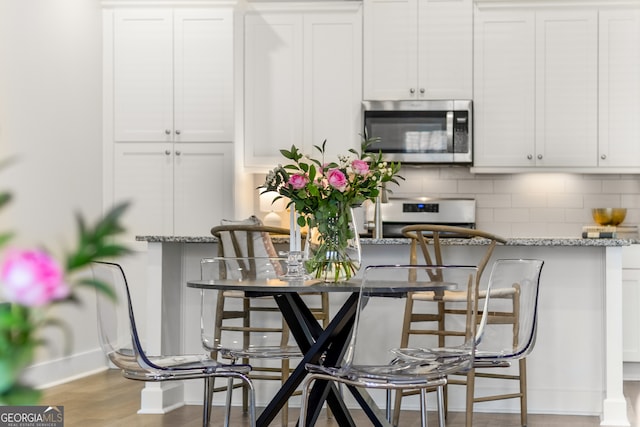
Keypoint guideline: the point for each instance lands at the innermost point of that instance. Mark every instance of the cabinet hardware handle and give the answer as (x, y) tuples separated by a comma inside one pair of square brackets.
[(603, 157), (529, 156), (539, 156), (421, 90), (178, 152), (167, 152), (167, 131), (412, 90), (178, 132)]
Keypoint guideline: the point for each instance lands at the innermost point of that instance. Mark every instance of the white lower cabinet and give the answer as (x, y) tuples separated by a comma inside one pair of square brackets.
[(631, 303), (176, 189)]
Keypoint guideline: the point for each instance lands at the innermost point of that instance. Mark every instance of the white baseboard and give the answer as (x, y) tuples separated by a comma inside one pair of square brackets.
[(58, 371)]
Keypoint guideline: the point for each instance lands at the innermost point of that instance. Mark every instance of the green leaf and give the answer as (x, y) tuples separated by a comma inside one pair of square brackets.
[(5, 198), (5, 237), (20, 395)]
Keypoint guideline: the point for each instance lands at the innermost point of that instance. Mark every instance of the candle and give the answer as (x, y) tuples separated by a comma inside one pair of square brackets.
[(292, 229), (295, 243), (298, 242)]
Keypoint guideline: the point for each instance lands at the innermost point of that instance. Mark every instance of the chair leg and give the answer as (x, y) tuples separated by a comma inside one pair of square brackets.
[(227, 413), (207, 401), (440, 397), (523, 391), (388, 407), (471, 382), (397, 406), (284, 412), (251, 394), (423, 407), (304, 400)]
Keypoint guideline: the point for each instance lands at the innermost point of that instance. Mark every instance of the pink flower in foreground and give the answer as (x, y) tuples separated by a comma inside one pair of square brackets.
[(32, 278), (337, 179), (360, 167), (298, 181)]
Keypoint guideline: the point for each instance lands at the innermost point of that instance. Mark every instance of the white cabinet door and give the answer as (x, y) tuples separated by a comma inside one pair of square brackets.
[(445, 49), (390, 49), (631, 315), (143, 175), (332, 82), (203, 64), (302, 83), (536, 88), (202, 187), (173, 75), (619, 88), (504, 98), (631, 303), (175, 189), (418, 49), (273, 86), (143, 78), (567, 88)]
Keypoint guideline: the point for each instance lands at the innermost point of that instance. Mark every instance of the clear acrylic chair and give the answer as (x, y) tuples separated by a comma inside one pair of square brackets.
[(266, 343), (249, 238), (503, 340), (423, 315), (372, 365), (122, 345)]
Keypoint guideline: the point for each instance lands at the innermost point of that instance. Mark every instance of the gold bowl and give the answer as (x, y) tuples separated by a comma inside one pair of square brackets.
[(608, 216)]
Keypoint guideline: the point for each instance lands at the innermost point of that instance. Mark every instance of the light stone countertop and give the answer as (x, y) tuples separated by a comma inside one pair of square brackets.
[(518, 241)]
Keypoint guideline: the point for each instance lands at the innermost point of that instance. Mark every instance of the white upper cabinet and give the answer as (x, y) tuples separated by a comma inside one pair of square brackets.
[(504, 107), (172, 75), (418, 49), (567, 88), (536, 88), (302, 82), (619, 78)]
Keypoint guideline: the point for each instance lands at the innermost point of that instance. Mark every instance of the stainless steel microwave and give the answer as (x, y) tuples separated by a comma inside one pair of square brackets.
[(414, 132)]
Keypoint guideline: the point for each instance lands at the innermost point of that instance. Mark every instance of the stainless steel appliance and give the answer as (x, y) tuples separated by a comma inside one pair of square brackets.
[(417, 132), (398, 213)]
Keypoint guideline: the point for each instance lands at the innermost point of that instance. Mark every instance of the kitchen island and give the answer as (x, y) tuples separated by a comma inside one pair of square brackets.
[(575, 368)]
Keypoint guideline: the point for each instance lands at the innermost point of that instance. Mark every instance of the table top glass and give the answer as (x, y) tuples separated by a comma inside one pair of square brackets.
[(303, 286)]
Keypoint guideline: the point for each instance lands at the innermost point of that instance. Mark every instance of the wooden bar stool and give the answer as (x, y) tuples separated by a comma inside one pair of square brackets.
[(424, 316)]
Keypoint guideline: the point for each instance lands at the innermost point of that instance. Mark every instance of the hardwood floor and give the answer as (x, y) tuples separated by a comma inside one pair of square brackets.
[(107, 399)]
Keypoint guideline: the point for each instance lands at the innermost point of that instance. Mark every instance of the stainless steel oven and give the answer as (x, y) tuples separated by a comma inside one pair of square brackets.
[(415, 132), (397, 213)]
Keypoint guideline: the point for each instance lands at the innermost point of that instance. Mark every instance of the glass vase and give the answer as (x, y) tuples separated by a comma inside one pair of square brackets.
[(332, 250)]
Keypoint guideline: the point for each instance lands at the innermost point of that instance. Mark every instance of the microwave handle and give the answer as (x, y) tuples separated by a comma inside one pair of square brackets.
[(450, 131)]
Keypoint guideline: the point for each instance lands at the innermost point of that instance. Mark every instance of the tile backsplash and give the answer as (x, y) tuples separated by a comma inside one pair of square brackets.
[(526, 204)]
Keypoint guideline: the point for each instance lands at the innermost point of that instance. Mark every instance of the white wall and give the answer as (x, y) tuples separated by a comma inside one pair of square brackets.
[(50, 121)]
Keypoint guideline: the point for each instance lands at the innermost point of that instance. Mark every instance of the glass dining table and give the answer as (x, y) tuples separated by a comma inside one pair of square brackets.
[(317, 344)]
